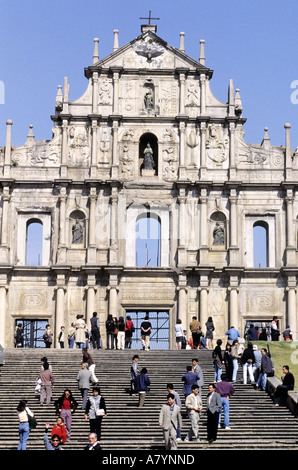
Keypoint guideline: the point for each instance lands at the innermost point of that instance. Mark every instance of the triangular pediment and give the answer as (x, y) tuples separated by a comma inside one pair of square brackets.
[(148, 51)]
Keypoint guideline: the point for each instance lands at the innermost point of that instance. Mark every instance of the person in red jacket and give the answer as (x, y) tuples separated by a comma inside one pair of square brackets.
[(59, 429)]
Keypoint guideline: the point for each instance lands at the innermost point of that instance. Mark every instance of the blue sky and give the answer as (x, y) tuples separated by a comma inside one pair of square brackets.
[(254, 43)]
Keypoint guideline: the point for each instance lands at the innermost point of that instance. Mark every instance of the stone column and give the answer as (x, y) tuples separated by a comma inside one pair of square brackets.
[(3, 290), (93, 166), (203, 316), (182, 92), (92, 222), (233, 249), (291, 305), (61, 256), (203, 130), (203, 217), (233, 302), (64, 146), (92, 226), (182, 225), (203, 93), (233, 307), (182, 127), (62, 217), (7, 155), (290, 248), (59, 320), (91, 291), (204, 248), (182, 300), (95, 93), (232, 146), (5, 208), (115, 156), (116, 92), (113, 252), (288, 161), (113, 295)]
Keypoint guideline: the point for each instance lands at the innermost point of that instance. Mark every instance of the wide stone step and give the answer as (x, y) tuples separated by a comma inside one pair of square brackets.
[(255, 422)]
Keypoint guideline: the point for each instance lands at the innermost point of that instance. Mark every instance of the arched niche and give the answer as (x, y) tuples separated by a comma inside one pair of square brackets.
[(77, 232), (218, 230), (148, 154)]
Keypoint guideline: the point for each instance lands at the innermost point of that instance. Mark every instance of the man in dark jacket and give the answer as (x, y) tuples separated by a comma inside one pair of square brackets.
[(142, 383), (288, 383), (266, 368), (93, 442), (95, 334), (189, 379), (252, 333)]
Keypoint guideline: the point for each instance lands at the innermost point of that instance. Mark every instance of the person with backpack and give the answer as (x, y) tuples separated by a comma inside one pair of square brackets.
[(218, 361), (129, 330)]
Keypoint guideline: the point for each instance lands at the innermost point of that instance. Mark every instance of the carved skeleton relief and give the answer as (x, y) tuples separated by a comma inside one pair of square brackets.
[(105, 92)]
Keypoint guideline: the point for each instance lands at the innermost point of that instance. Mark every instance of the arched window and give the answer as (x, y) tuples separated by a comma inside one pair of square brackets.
[(34, 242), (148, 238), (148, 153), (260, 244)]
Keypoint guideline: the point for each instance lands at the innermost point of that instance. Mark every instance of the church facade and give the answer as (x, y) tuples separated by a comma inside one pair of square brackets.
[(148, 198)]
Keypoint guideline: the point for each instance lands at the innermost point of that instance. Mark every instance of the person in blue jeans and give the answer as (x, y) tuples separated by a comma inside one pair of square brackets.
[(235, 358), (24, 430), (226, 390), (266, 368), (218, 361)]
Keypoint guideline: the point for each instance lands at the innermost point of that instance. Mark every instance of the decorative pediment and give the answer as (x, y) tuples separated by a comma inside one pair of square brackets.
[(147, 51)]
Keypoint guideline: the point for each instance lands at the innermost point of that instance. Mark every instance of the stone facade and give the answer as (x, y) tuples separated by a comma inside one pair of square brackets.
[(148, 138)]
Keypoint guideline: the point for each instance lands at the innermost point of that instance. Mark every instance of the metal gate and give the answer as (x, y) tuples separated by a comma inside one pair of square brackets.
[(33, 332), (159, 338)]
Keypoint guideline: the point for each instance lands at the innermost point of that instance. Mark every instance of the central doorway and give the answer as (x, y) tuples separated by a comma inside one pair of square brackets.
[(33, 332), (159, 338)]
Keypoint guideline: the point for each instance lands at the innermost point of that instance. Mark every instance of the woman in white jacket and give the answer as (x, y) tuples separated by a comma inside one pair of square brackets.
[(24, 430), (179, 334)]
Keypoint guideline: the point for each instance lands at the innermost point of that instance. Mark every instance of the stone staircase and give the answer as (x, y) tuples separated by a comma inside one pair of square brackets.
[(256, 424)]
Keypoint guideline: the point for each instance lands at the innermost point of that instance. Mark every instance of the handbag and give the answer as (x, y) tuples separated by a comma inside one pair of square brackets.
[(98, 411), (32, 422)]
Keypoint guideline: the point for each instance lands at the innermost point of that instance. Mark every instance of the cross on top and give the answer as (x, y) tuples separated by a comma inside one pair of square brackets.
[(148, 18)]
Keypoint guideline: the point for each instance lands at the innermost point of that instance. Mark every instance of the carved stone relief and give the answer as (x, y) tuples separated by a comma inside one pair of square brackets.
[(79, 146), (105, 145), (217, 145), (149, 53), (253, 155), (192, 94), (32, 300), (105, 93), (262, 301), (126, 163), (170, 158)]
